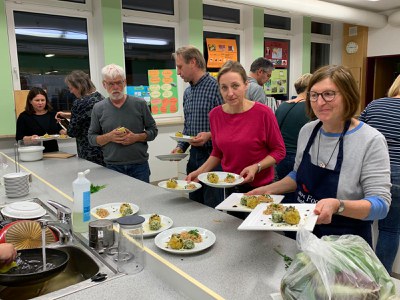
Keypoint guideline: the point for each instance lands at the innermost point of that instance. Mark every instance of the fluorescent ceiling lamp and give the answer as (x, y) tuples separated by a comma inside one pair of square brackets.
[(144, 41), (49, 55), (52, 33)]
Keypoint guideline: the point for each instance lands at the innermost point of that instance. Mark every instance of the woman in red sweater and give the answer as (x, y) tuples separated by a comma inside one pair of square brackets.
[(245, 134)]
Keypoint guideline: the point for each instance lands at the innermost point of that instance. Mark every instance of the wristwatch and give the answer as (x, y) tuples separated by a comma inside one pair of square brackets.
[(341, 207)]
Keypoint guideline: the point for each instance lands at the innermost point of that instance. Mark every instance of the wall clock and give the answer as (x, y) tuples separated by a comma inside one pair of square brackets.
[(351, 47)]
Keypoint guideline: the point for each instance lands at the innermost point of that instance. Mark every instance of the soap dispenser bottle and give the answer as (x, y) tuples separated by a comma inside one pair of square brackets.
[(81, 207)]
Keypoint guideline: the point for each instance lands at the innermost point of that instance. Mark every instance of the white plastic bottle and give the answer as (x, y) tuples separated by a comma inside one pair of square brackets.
[(81, 207)]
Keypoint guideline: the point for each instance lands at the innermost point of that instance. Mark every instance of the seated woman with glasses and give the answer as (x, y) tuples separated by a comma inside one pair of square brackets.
[(342, 164)]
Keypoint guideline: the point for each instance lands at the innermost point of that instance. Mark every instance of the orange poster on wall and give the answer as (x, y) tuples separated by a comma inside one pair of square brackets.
[(220, 51)]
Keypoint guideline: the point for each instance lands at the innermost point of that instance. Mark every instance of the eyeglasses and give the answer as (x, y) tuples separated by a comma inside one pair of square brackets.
[(328, 96), (112, 83), (269, 74)]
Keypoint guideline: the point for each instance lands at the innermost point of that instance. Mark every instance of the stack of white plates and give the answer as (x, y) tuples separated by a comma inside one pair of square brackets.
[(16, 184)]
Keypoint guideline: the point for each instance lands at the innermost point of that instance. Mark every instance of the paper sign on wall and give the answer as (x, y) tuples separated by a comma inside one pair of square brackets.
[(220, 51), (163, 91), (277, 83)]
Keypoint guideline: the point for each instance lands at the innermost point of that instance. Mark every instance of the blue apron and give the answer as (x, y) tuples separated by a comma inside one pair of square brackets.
[(315, 183)]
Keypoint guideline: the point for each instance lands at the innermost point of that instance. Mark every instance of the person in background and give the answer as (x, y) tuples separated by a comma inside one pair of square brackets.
[(383, 114), (342, 164), (236, 144), (122, 125), (8, 254), (291, 116), (38, 119), (260, 72), (198, 100), (80, 84)]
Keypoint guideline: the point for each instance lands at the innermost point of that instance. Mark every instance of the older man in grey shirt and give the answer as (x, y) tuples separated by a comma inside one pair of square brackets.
[(122, 125)]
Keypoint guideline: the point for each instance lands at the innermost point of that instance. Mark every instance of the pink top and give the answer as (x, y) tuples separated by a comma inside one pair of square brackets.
[(243, 139)]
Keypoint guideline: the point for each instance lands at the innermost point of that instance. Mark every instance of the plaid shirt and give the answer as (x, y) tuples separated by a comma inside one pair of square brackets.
[(198, 100)]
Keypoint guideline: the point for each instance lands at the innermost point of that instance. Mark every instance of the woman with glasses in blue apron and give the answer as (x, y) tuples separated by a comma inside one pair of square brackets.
[(342, 164)]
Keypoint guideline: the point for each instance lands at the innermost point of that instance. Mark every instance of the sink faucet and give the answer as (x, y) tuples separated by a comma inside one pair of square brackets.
[(63, 225)]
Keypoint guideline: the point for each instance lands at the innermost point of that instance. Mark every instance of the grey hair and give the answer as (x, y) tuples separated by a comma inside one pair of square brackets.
[(261, 63), (113, 71)]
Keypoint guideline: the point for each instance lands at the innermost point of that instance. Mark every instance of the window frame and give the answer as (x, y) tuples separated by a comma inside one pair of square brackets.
[(323, 38), (75, 9), (217, 25), (161, 20)]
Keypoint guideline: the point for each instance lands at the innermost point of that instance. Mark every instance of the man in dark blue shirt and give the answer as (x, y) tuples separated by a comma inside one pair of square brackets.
[(198, 100)]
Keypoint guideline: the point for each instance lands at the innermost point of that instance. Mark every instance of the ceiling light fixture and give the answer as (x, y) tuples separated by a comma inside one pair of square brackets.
[(52, 33), (49, 55), (144, 41)]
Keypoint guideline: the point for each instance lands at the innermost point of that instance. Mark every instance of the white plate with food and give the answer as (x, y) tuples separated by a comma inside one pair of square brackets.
[(244, 203), (63, 137), (172, 156), (181, 137), (261, 219), (47, 137), (152, 223), (197, 237), (220, 179), (179, 185), (114, 210)]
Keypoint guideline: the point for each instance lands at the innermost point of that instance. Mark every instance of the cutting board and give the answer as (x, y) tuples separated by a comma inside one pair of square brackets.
[(58, 155)]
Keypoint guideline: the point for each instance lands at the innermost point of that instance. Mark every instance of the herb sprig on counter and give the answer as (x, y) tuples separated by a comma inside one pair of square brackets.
[(288, 260), (96, 188)]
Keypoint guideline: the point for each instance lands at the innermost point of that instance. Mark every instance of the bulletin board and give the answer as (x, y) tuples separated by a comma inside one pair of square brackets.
[(278, 52), (220, 51)]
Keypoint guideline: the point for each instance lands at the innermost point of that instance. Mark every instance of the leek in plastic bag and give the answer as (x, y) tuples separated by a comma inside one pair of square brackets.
[(335, 267)]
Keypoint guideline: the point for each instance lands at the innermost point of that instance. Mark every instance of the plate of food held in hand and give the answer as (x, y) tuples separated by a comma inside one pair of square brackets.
[(280, 217), (63, 137), (185, 240), (47, 137), (220, 179), (180, 137), (246, 203), (115, 210), (172, 156), (155, 223), (175, 185)]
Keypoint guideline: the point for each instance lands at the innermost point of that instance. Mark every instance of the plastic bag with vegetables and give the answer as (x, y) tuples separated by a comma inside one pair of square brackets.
[(335, 267)]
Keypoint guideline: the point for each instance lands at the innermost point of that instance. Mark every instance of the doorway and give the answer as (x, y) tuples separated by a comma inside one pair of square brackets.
[(381, 72)]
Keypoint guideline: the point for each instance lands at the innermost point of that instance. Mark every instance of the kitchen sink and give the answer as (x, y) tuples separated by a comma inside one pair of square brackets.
[(83, 264)]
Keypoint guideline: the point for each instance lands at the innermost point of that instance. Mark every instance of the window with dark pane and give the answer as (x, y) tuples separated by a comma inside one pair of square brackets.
[(221, 14), (147, 47), (154, 6), (49, 47), (277, 22), (320, 54), (320, 28)]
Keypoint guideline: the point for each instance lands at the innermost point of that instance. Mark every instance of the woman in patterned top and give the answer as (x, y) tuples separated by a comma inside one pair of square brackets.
[(82, 87)]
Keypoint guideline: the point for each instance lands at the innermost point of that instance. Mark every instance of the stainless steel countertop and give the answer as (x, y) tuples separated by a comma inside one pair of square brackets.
[(240, 265)]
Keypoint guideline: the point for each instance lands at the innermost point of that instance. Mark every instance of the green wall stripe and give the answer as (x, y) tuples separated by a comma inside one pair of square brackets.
[(258, 33), (196, 24), (112, 32), (7, 106)]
